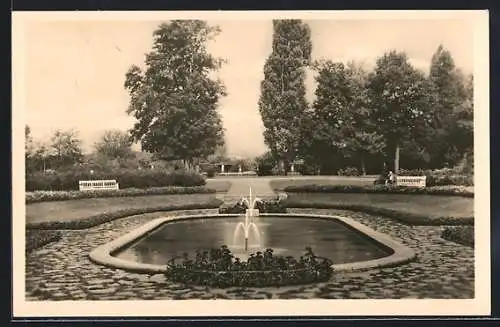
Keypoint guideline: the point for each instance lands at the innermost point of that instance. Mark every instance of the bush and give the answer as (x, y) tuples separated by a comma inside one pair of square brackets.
[(265, 164), (461, 234), (41, 196), (211, 171), (274, 206), (110, 216), (313, 188), (68, 180), (348, 171), (438, 177), (219, 268), (37, 238)]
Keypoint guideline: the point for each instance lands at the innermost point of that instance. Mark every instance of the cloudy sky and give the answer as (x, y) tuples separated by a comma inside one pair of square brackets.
[(75, 69)]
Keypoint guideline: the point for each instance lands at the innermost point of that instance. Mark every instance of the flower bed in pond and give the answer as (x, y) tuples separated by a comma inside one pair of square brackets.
[(219, 268)]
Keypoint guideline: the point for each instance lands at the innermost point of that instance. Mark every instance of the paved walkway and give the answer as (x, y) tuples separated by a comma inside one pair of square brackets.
[(240, 187), (62, 270)]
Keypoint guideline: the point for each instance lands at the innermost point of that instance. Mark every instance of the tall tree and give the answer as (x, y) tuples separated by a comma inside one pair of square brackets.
[(174, 99), (449, 91), (114, 143), (282, 102), (29, 149), (340, 125), (400, 98), (462, 131), (365, 140), (329, 125), (66, 148)]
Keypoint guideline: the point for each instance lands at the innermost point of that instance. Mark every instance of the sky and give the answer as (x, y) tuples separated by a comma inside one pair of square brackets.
[(74, 70)]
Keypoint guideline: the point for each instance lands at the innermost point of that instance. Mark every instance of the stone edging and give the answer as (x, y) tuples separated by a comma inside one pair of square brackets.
[(103, 254)]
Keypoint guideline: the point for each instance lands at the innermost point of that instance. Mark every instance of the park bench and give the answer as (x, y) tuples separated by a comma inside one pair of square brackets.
[(411, 181), (98, 185)]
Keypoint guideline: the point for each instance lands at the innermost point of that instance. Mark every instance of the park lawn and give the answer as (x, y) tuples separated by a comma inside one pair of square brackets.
[(218, 185), (430, 205), (83, 208), (280, 184)]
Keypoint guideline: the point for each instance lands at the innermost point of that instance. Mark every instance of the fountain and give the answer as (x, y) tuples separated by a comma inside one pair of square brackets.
[(249, 223)]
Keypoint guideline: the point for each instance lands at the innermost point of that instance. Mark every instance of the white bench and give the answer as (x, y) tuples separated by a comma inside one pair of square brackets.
[(411, 181), (98, 185)]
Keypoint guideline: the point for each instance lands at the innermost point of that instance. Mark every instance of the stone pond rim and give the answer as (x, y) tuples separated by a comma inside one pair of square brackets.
[(103, 254)]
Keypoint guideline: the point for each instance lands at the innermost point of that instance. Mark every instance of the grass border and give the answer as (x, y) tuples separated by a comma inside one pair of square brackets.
[(95, 220), (47, 196), (456, 234), (435, 190), (36, 239), (406, 218)]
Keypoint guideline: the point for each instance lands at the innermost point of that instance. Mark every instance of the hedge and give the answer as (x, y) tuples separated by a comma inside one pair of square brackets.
[(274, 206), (439, 177), (313, 188), (38, 238), (463, 235), (68, 180), (42, 196), (219, 268), (407, 218), (110, 216)]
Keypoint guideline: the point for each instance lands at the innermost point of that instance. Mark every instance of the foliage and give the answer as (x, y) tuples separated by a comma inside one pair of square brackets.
[(463, 235), (62, 151), (211, 171), (37, 238), (66, 147), (451, 132), (114, 144), (282, 102), (219, 268), (458, 191), (43, 196), (265, 164), (440, 177), (408, 218), (338, 127), (69, 180), (265, 206), (348, 171), (95, 220), (174, 100), (400, 101)]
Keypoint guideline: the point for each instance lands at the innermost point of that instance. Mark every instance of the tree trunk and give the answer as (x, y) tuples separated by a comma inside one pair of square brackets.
[(363, 168), (396, 159)]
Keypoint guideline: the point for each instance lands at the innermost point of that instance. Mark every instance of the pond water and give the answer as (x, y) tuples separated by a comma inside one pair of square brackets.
[(328, 238)]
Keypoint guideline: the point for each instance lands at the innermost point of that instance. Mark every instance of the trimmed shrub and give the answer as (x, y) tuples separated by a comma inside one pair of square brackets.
[(41, 196), (68, 180), (37, 238), (313, 188), (273, 206), (463, 235), (438, 177), (219, 268), (348, 171), (210, 171), (110, 216), (401, 216)]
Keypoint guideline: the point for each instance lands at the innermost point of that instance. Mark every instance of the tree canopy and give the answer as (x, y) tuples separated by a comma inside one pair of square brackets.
[(175, 98), (282, 102), (114, 144)]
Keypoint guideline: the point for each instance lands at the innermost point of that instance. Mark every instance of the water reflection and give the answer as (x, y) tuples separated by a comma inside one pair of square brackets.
[(288, 236)]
